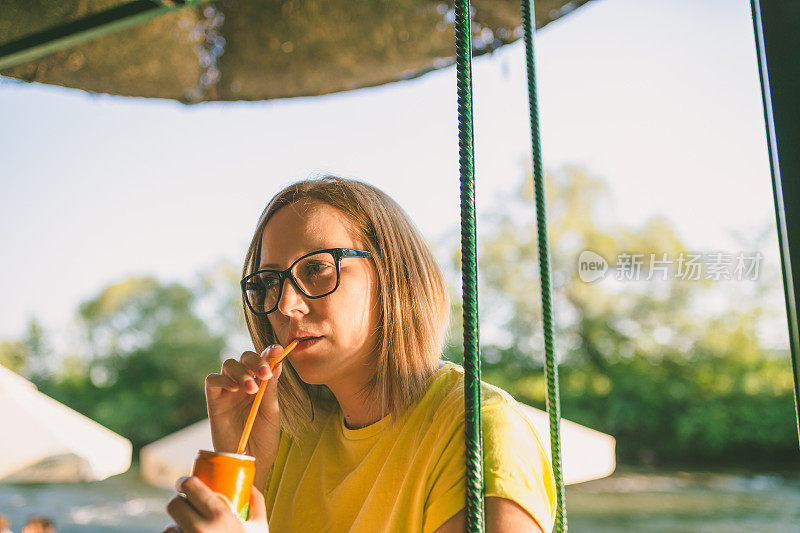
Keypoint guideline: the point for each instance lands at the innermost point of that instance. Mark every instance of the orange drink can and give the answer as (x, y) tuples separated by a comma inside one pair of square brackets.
[(228, 474)]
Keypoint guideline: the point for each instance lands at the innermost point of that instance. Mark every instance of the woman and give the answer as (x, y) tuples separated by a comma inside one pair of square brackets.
[(361, 428)]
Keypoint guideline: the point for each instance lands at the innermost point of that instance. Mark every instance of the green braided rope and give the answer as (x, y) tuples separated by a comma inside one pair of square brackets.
[(551, 366), (469, 273)]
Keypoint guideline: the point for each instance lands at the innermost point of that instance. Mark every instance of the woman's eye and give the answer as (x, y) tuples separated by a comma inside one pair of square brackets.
[(315, 268), (263, 284)]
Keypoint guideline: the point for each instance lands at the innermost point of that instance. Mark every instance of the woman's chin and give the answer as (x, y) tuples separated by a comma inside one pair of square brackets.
[(312, 370)]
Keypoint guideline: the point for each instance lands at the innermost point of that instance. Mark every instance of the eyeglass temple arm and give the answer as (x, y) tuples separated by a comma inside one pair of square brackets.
[(350, 252)]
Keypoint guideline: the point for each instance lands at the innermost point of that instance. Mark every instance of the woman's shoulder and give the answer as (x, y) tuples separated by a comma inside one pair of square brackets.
[(516, 465), (444, 401)]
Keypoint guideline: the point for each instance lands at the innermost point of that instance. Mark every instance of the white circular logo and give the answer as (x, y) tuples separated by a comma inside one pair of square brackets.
[(591, 266)]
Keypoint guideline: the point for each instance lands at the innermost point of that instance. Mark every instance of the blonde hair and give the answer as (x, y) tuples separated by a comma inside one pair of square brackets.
[(413, 299)]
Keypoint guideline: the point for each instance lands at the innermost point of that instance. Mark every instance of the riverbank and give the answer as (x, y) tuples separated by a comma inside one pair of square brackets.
[(629, 501), (686, 502)]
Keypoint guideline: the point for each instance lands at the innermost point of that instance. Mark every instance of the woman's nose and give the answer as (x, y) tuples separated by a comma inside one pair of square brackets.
[(291, 301)]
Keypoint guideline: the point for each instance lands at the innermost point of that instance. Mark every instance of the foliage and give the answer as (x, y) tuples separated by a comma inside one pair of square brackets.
[(642, 361), (14, 356), (29, 355), (713, 408), (149, 355)]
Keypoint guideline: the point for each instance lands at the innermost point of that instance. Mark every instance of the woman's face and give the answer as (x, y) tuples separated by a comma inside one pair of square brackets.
[(344, 323)]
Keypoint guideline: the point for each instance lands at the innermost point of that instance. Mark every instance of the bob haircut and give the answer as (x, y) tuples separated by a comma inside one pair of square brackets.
[(413, 300)]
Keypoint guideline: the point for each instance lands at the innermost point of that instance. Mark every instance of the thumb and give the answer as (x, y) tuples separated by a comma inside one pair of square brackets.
[(270, 402), (258, 507), (268, 356), (271, 353)]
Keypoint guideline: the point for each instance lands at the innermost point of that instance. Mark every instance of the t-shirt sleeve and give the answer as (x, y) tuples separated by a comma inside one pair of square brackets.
[(516, 467)]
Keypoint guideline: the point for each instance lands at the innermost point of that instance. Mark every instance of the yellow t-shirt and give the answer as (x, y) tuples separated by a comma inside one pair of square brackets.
[(407, 477)]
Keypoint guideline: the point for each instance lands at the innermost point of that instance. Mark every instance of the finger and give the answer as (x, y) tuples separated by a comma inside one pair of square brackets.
[(183, 513), (179, 483), (271, 352), (260, 364), (172, 528), (202, 498), (240, 375), (258, 507), (276, 373), (252, 362), (218, 381), (269, 406)]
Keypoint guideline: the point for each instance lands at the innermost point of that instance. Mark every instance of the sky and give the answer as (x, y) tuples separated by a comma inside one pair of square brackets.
[(658, 98)]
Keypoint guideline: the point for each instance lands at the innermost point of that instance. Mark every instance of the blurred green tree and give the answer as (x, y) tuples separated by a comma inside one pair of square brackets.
[(644, 360), (28, 356), (595, 324), (14, 356), (219, 301), (149, 353)]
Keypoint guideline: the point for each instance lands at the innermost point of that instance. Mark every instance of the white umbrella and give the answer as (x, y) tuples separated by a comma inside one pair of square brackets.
[(43, 440), (167, 459), (586, 454)]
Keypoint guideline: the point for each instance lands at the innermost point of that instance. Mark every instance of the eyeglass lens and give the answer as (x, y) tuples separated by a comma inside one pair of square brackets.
[(315, 275)]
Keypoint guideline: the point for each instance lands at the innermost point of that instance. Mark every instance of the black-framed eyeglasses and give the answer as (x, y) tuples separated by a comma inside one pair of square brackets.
[(314, 275)]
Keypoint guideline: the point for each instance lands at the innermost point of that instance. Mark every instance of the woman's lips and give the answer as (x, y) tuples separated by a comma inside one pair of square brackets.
[(306, 343)]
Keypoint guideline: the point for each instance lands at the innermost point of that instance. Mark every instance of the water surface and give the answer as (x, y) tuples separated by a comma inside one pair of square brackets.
[(627, 502)]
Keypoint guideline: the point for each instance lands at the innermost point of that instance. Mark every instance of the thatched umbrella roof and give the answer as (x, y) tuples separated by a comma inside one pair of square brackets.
[(261, 49)]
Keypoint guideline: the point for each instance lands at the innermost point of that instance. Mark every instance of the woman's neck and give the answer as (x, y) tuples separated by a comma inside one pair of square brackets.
[(360, 412)]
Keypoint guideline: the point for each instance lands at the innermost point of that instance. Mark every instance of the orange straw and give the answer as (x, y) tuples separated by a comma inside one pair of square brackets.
[(251, 418)]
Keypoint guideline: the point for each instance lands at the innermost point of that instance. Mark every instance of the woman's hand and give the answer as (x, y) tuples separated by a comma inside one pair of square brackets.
[(198, 508), (229, 396)]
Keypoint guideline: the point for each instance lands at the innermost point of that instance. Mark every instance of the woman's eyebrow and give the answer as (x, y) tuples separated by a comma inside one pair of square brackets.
[(273, 266)]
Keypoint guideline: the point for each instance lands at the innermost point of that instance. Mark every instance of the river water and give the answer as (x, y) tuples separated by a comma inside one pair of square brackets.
[(628, 501)]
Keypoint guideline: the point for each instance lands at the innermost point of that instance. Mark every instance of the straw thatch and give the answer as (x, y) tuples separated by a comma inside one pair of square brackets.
[(262, 49)]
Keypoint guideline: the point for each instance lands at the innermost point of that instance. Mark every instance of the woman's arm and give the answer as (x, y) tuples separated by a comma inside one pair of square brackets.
[(502, 516)]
